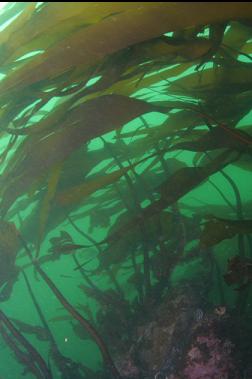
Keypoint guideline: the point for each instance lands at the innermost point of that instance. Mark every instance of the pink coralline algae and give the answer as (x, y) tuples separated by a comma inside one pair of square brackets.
[(210, 358)]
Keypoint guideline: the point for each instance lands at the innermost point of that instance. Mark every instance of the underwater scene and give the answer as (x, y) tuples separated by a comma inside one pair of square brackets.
[(125, 190)]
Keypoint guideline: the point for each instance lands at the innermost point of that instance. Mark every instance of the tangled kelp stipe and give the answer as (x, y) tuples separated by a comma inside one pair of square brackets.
[(125, 190)]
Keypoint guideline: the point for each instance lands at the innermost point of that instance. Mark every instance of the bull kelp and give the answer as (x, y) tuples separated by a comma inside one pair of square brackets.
[(125, 190)]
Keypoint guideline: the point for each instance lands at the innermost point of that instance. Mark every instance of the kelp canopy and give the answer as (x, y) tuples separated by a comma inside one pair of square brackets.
[(125, 166)]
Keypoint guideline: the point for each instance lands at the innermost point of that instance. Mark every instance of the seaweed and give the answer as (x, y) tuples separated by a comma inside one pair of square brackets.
[(125, 169)]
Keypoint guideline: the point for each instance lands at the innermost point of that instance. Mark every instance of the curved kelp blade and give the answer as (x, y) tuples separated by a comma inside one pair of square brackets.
[(216, 230), (106, 113)]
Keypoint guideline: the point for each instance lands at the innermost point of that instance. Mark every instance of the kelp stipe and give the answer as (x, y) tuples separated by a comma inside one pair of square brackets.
[(85, 323), (34, 355)]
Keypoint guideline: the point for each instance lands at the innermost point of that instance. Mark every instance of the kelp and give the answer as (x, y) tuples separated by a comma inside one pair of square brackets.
[(217, 229), (122, 240), (78, 193), (33, 353), (175, 122), (129, 86), (179, 184), (36, 330), (108, 36), (47, 201), (236, 37), (51, 19), (58, 214), (18, 23), (65, 365), (63, 244), (21, 357), (53, 149), (216, 35), (112, 117), (9, 247), (217, 138), (76, 315), (233, 79)]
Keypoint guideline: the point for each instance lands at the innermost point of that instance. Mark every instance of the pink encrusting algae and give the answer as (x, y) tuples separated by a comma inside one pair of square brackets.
[(209, 357)]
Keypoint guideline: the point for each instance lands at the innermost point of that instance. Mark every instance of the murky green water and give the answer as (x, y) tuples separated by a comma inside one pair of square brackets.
[(125, 190)]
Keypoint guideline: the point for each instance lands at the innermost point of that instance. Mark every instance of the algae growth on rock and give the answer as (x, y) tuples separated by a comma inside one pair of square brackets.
[(125, 190)]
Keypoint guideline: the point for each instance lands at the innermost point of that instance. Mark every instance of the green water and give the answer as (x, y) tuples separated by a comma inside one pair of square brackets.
[(125, 190)]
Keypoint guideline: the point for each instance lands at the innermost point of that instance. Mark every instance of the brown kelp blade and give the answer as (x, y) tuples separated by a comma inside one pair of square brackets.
[(174, 188), (217, 138), (36, 330), (9, 247), (111, 34), (76, 194), (106, 113), (229, 79), (217, 229)]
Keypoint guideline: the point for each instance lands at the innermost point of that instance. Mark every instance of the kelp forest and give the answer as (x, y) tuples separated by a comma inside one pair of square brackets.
[(126, 190)]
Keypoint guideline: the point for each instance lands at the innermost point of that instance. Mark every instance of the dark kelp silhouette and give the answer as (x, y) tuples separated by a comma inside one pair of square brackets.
[(34, 355), (216, 230), (9, 246), (23, 357), (76, 315), (180, 183), (66, 366)]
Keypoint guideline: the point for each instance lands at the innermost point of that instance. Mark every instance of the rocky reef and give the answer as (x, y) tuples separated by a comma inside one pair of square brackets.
[(184, 338)]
